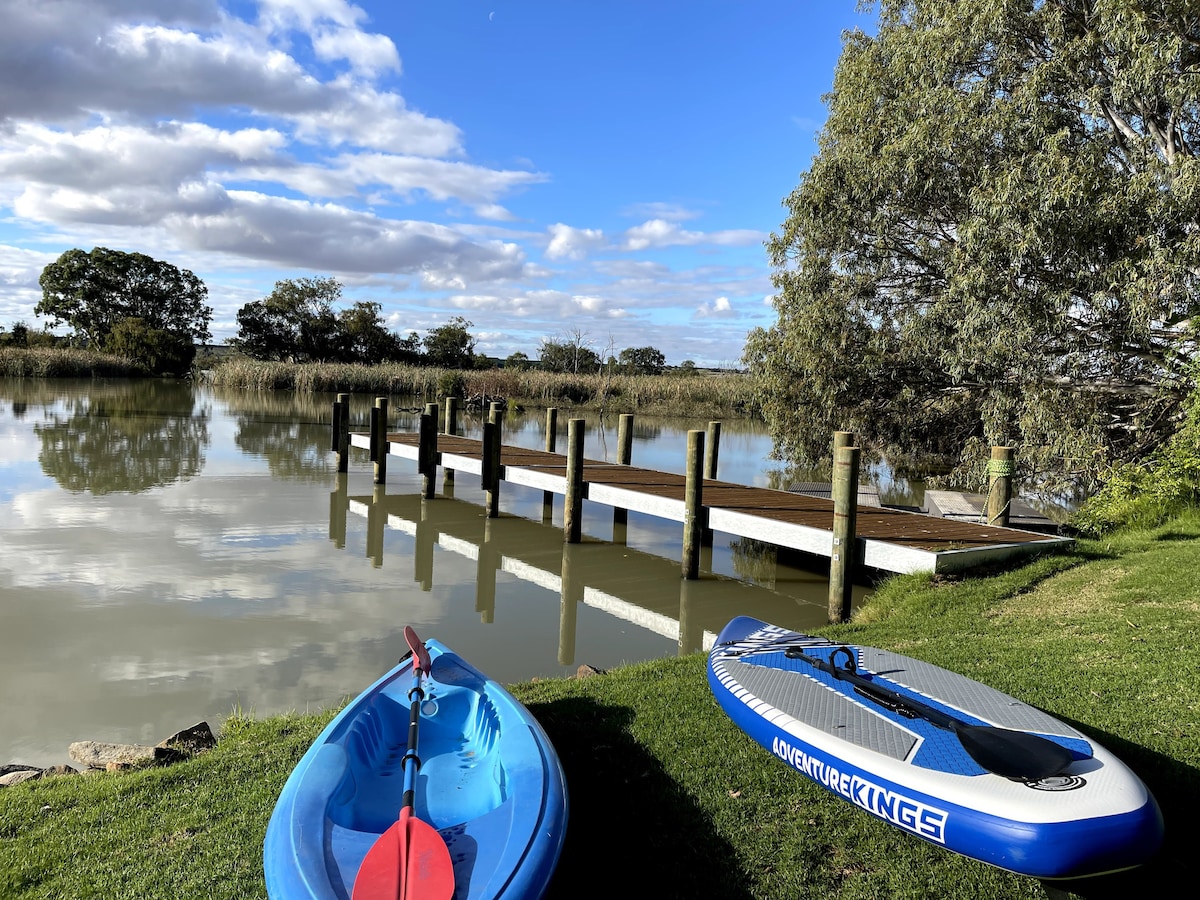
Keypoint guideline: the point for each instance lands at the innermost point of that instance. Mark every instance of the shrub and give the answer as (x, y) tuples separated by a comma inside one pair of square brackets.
[(451, 383), (1147, 494)]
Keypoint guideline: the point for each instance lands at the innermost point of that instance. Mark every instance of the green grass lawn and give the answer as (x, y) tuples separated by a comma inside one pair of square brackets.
[(669, 799)]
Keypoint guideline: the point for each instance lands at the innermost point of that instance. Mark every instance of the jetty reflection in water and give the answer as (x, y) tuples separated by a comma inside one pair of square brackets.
[(619, 581)]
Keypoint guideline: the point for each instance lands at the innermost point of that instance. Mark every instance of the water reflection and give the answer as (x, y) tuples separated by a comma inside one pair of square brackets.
[(171, 552), (126, 437), (623, 582)]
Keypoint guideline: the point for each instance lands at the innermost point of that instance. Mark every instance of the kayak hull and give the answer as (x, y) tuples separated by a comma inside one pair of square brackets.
[(1093, 818), (489, 781)]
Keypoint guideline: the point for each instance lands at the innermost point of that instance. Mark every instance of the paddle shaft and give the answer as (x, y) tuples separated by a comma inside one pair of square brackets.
[(409, 861), (412, 761), (421, 666)]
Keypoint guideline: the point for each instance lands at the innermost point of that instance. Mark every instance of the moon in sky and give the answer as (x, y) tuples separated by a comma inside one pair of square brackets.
[(491, 16)]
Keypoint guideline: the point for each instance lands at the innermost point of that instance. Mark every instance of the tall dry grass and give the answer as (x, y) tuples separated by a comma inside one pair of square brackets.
[(701, 395), (61, 362)]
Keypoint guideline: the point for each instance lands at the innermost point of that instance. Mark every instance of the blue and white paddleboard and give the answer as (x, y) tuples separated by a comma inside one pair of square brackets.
[(861, 723)]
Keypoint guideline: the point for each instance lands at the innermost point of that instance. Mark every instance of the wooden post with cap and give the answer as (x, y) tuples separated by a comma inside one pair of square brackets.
[(845, 510), (999, 496)]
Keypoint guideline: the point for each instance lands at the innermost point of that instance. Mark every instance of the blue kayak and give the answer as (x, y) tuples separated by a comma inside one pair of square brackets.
[(936, 754), (488, 780)]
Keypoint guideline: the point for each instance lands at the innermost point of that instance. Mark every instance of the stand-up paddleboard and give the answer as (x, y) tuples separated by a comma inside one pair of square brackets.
[(936, 754), (480, 792)]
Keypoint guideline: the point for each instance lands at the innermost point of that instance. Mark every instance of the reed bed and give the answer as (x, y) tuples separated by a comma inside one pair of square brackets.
[(56, 362), (703, 394)]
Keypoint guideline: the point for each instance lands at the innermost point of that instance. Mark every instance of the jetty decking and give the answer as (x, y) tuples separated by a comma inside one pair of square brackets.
[(887, 539)]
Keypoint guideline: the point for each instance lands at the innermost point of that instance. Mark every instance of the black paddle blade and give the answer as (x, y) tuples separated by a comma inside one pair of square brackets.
[(1012, 754)]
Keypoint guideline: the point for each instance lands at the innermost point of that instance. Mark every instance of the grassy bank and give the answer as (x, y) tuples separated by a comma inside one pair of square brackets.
[(701, 395), (54, 362), (669, 799)]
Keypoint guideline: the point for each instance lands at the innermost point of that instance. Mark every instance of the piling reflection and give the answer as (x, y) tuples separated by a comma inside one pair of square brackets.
[(640, 588)]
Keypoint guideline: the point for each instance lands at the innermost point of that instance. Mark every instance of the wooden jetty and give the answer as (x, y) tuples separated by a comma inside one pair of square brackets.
[(886, 539)]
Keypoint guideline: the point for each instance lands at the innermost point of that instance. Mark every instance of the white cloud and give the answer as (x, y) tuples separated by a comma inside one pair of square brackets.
[(661, 233), (718, 309), (63, 70), (572, 243)]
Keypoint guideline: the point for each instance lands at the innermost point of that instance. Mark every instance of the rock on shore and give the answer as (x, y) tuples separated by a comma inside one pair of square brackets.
[(101, 756)]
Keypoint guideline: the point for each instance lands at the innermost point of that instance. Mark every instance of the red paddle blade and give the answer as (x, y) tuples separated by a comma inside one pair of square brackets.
[(420, 654), (410, 861)]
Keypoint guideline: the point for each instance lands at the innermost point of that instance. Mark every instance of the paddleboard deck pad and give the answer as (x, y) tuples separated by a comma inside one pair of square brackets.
[(1092, 816)]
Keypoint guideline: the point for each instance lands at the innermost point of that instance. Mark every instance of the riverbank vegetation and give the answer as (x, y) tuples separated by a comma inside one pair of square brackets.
[(65, 362), (699, 394), (1106, 637)]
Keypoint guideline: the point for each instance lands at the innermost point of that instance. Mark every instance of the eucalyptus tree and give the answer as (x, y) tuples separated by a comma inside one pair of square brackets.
[(451, 345), (569, 354), (997, 241), (108, 296), (296, 322), (643, 360)]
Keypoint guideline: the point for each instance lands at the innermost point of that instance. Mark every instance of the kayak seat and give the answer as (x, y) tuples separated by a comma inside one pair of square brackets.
[(462, 774), (372, 791)]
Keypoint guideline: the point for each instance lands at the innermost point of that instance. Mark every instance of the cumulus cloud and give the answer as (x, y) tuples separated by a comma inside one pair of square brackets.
[(718, 309), (572, 243), (326, 237), (64, 63), (333, 27)]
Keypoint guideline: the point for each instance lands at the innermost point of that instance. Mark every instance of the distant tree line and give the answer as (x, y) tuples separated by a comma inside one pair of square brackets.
[(154, 313)]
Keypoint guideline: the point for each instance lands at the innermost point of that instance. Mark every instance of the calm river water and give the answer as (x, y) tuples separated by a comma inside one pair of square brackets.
[(171, 553)]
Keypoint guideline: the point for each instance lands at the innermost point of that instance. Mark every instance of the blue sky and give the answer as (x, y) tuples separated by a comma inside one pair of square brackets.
[(602, 171)]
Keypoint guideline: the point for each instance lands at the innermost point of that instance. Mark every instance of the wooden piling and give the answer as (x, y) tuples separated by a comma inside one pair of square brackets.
[(570, 599), (841, 439), (999, 496), (427, 452), (625, 439), (711, 450), (379, 442), (551, 443), (845, 512), (342, 432), (551, 429), (693, 506), (712, 446), (335, 427), (547, 497), (491, 462), (451, 428), (624, 458), (573, 505)]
